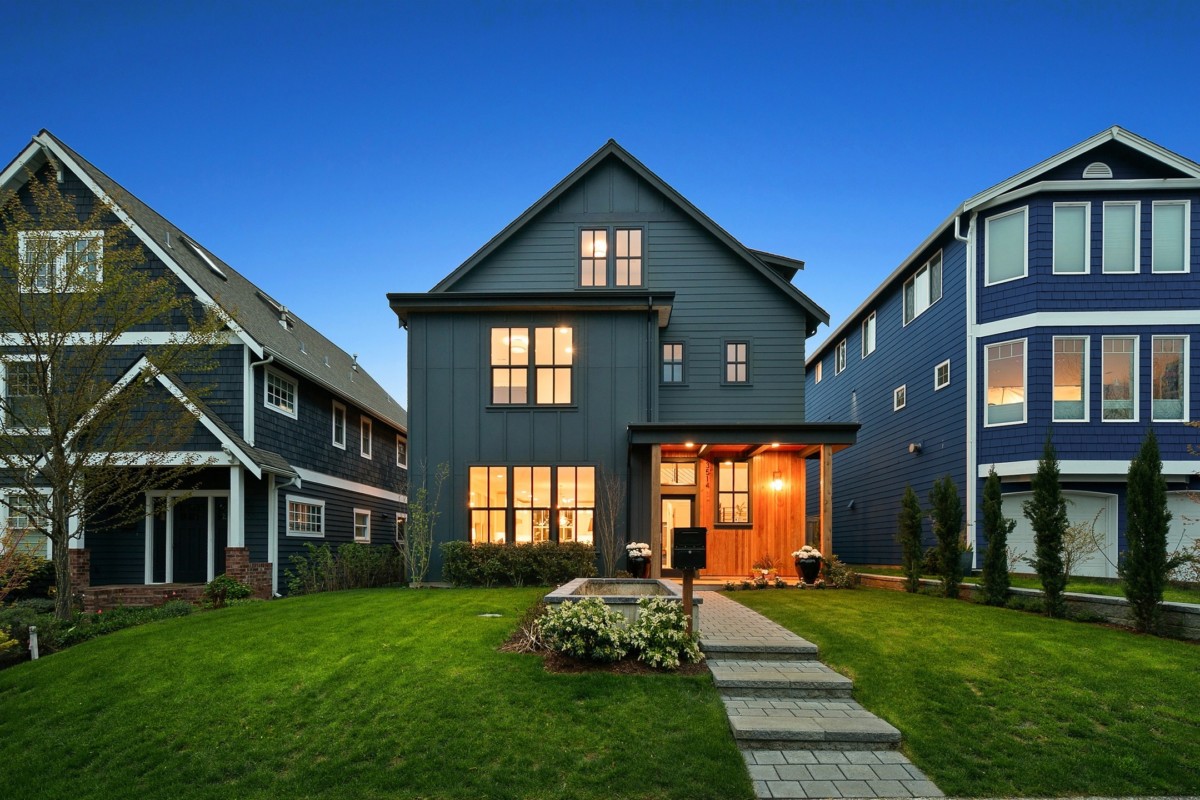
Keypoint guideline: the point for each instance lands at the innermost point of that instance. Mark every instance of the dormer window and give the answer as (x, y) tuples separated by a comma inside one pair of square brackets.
[(610, 257)]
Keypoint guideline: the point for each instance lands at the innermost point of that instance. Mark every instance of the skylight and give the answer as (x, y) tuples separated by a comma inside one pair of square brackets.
[(198, 250)]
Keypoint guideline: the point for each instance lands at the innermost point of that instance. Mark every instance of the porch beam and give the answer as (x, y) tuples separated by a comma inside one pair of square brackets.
[(826, 500), (753, 450), (655, 511), (700, 452)]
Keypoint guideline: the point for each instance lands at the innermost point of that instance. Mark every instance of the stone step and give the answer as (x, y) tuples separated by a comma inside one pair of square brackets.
[(784, 731), (778, 679), (795, 649)]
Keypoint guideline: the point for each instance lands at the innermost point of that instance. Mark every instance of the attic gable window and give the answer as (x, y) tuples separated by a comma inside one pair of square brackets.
[(60, 261), (279, 394), (605, 252)]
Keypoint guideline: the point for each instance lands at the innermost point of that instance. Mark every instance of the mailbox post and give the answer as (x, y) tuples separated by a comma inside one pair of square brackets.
[(689, 554)]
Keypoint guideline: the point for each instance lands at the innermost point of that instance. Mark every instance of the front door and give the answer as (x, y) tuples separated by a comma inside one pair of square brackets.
[(191, 540), (676, 513)]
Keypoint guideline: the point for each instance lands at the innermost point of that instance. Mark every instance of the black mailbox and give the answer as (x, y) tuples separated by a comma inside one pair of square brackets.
[(689, 550)]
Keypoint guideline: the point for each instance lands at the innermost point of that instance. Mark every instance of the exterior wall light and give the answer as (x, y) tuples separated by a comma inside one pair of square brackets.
[(777, 481)]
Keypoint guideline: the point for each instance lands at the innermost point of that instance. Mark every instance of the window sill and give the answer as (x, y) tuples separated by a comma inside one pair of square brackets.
[(299, 535), (278, 410), (740, 383), (673, 384)]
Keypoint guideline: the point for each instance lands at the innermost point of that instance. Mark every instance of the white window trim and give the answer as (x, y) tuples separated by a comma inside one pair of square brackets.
[(1137, 379), (4, 514), (928, 265), (1087, 237), (817, 373), (1137, 238), (365, 443), (60, 261), (400, 443), (1024, 380), (868, 343), (987, 247), (1187, 236), (294, 413), (354, 525), (937, 387), (1187, 367), (899, 397), (287, 516), (4, 426), (1087, 366), (839, 358), (338, 407)]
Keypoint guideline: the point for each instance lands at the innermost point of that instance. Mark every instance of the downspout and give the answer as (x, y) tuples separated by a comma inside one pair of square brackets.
[(248, 396), (273, 526), (972, 479)]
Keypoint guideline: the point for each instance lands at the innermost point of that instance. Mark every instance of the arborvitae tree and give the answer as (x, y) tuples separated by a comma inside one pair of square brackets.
[(996, 528), (909, 535), (1047, 513), (947, 516), (1145, 566)]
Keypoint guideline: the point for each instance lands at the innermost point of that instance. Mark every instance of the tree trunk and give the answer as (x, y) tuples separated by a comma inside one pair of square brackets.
[(60, 538)]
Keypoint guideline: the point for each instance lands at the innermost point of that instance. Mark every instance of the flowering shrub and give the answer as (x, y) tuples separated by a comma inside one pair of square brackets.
[(818, 584), (840, 575), (659, 635), (808, 551), (637, 550), (586, 629)]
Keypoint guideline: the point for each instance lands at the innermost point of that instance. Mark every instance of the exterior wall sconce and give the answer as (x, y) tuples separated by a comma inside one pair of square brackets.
[(914, 447), (777, 481), (850, 506)]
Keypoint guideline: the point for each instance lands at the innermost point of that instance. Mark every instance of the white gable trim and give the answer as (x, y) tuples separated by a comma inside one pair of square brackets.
[(16, 170), (349, 486), (127, 339)]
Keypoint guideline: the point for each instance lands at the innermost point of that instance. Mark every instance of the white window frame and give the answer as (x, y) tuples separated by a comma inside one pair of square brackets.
[(1187, 236), (1087, 367), (354, 524), (839, 358), (817, 373), (401, 447), (365, 443), (294, 411), (307, 501), (899, 397), (5, 512), (1186, 370), (55, 281), (938, 385), (4, 422), (1087, 238), (1024, 381), (339, 411), (1137, 347), (1137, 239), (927, 267), (868, 335), (987, 247)]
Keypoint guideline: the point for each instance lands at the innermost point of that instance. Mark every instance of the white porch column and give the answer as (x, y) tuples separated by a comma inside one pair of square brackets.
[(76, 540), (237, 507), (148, 570), (827, 500), (212, 538), (273, 532), (169, 550), (655, 511)]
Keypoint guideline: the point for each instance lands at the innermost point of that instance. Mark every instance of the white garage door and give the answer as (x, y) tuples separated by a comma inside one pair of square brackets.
[(1081, 507), (1185, 519)]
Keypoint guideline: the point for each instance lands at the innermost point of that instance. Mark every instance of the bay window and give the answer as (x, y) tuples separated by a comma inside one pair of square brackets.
[(1120, 390), (1070, 379), (1006, 254), (1004, 377), (1121, 240), (1072, 238), (1171, 236), (1168, 379)]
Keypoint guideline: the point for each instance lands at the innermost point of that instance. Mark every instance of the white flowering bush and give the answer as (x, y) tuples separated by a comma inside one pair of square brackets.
[(637, 550), (659, 635), (586, 629), (808, 551)]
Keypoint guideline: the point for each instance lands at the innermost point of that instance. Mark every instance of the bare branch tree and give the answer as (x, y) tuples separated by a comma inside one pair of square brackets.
[(423, 513), (611, 498)]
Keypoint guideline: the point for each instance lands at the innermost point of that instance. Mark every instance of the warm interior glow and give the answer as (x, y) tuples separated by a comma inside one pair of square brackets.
[(689, 444), (601, 247), (777, 481), (774, 444)]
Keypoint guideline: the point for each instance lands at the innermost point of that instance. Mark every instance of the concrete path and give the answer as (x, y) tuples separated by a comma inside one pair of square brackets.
[(794, 720)]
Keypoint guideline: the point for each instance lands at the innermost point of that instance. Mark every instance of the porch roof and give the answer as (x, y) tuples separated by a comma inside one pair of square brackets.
[(838, 434)]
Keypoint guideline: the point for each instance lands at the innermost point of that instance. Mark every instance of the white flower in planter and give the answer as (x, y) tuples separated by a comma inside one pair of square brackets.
[(808, 551), (637, 550)]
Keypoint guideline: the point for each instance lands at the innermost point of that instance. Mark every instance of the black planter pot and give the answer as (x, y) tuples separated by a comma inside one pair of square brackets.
[(639, 567), (810, 569)]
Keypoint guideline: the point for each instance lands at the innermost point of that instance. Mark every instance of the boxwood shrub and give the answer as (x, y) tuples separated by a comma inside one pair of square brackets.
[(544, 563)]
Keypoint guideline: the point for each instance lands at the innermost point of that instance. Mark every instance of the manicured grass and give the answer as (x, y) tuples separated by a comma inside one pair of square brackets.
[(1108, 587), (376, 693), (998, 702)]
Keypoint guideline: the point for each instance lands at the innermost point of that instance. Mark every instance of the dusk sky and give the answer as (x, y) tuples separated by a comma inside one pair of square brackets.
[(334, 152)]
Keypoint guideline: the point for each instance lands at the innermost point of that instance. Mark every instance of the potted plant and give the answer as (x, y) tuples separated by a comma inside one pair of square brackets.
[(808, 563), (764, 569), (638, 555)]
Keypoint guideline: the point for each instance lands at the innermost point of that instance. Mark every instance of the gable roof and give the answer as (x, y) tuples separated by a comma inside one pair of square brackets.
[(251, 313), (1026, 182), (770, 266)]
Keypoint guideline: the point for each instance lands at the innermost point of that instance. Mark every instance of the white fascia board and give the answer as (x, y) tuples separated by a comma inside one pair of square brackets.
[(27, 159), (280, 358), (242, 457), (309, 475), (127, 339), (153, 245), (1088, 470), (1111, 319), (179, 458), (1114, 185)]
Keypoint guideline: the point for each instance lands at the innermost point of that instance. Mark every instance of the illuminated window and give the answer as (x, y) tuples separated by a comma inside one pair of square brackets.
[(1168, 379), (1119, 399), (733, 493), (305, 517), (576, 503), (677, 473), (489, 504), (1005, 380), (1070, 378), (552, 365), (598, 258), (531, 504), (554, 353)]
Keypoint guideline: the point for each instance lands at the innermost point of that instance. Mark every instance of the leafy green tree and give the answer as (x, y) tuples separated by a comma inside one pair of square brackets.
[(947, 515), (1145, 567), (1047, 513), (909, 535), (996, 527)]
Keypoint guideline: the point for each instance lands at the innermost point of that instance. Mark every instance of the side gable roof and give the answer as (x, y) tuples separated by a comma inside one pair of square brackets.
[(1024, 181), (770, 266), (252, 314)]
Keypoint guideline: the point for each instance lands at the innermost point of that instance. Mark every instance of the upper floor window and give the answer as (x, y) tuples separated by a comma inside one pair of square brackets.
[(1004, 377), (868, 335), (364, 437), (339, 425), (60, 261), (899, 397), (1070, 379), (1005, 255), (733, 493), (305, 516), (1121, 246), (598, 259), (362, 525), (1120, 391), (817, 373), (25, 385), (839, 357), (923, 289), (552, 365), (941, 375), (1171, 236), (1168, 379), (1072, 238), (279, 393), (737, 365), (401, 451), (672, 362)]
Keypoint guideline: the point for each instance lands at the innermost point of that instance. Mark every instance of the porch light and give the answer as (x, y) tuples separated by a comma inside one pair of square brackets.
[(774, 444), (777, 481), (689, 444)]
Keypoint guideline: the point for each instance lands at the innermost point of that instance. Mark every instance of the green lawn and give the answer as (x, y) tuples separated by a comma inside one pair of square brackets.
[(377, 693), (998, 702)]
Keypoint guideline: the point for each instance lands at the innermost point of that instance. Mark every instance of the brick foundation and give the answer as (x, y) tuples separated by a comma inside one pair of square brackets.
[(80, 566), (256, 575), (140, 595)]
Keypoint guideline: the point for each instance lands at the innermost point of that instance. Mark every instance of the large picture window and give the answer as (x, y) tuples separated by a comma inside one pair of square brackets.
[(550, 371), (733, 493), (1072, 238), (1006, 255), (1121, 245), (1070, 379), (1172, 233), (1120, 379), (923, 289), (1168, 379), (519, 499), (1005, 381)]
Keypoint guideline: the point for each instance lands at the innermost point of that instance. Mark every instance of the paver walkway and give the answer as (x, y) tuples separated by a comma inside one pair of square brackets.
[(799, 730)]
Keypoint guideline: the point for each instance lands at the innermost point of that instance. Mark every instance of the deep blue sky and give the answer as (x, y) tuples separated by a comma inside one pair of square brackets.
[(334, 152)]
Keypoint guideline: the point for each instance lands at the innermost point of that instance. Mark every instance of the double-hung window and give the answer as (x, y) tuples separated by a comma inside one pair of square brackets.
[(25, 387), (362, 525), (1072, 238), (60, 261), (279, 394), (603, 264), (1070, 379), (868, 335), (401, 452), (1122, 246), (1168, 379), (364, 437), (733, 493), (923, 289), (1004, 377), (899, 397), (839, 357), (1006, 254), (737, 362), (339, 425), (941, 375), (305, 516), (1171, 238), (672, 362), (550, 370), (1120, 391)]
